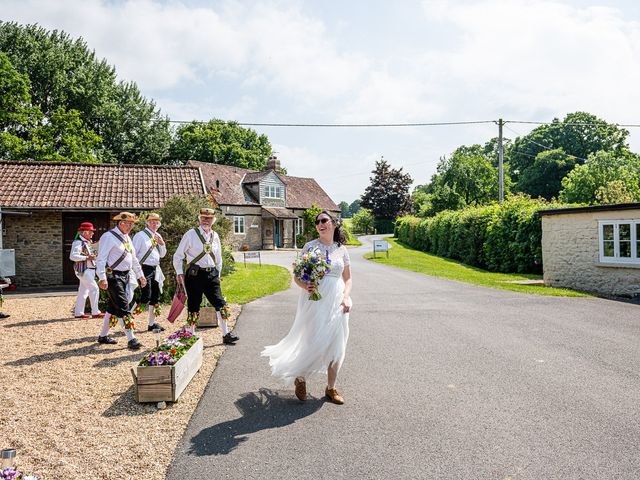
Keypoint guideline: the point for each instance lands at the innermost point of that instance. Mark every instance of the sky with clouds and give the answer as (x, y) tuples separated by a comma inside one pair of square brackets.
[(365, 61)]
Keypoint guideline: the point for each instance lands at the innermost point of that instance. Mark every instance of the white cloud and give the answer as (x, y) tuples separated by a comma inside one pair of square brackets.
[(526, 57)]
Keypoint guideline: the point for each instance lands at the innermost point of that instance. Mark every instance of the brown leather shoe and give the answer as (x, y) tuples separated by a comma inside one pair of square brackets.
[(334, 396), (301, 388)]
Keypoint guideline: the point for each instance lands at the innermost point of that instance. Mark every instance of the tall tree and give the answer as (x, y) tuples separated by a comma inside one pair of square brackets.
[(27, 134), (221, 142), (387, 196), (467, 177), (66, 74), (354, 207), (543, 177), (344, 209), (605, 177), (579, 134)]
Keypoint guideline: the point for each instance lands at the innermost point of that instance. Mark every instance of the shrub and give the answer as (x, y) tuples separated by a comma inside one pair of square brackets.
[(503, 238)]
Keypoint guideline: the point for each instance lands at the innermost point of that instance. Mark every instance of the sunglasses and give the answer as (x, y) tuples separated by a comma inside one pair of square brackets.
[(322, 221)]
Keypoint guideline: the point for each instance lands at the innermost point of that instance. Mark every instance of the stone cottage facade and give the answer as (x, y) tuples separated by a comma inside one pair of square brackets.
[(265, 207), (593, 249), (42, 205)]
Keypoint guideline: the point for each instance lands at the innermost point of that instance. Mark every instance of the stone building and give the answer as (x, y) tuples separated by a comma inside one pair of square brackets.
[(593, 249), (264, 207), (42, 205)]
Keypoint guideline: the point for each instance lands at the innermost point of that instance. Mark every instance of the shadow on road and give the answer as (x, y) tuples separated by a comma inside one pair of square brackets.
[(260, 411)]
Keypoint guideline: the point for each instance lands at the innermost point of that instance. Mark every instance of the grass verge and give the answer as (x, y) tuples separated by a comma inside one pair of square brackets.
[(417, 261), (254, 281)]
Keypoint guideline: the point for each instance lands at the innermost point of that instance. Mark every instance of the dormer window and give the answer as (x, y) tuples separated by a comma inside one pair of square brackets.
[(274, 191)]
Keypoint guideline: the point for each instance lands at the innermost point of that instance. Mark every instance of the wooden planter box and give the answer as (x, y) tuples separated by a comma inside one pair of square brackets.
[(208, 317), (165, 383)]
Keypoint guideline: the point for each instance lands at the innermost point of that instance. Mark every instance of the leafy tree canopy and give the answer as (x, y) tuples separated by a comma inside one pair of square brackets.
[(606, 177), (467, 177), (354, 207), (344, 209), (387, 196), (579, 134), (363, 221), (543, 177), (27, 134), (221, 142), (65, 74)]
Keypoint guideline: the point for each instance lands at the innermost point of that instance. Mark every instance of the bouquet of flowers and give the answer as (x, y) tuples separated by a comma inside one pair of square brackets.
[(311, 267), (170, 350)]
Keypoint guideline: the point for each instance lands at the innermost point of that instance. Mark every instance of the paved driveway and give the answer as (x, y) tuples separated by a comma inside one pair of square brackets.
[(442, 380)]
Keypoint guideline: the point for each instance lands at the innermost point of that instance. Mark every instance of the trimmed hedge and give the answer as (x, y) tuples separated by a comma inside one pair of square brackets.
[(500, 238)]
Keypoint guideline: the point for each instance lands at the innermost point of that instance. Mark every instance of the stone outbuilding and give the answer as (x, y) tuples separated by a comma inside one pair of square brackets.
[(593, 249), (265, 208), (43, 203)]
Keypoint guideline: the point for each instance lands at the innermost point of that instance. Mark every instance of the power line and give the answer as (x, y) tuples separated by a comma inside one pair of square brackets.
[(417, 124), (575, 124), (343, 125)]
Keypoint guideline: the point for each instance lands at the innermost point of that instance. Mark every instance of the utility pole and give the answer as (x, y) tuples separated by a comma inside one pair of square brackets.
[(500, 162)]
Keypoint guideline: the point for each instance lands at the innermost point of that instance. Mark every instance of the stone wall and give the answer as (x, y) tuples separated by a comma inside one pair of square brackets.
[(37, 240), (252, 236), (570, 255)]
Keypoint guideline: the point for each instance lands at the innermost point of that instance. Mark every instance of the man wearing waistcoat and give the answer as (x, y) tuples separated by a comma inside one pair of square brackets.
[(84, 257), (150, 248), (116, 259), (200, 248)]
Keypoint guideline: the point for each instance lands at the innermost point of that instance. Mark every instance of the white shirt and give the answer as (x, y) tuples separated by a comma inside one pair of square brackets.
[(142, 243), (191, 246), (111, 249), (79, 248)]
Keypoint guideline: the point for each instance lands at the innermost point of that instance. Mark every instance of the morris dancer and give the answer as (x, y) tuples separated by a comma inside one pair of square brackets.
[(150, 248), (84, 258), (116, 258), (201, 249)]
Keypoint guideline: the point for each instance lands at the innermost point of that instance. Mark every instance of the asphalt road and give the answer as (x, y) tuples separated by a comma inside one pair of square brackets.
[(441, 380)]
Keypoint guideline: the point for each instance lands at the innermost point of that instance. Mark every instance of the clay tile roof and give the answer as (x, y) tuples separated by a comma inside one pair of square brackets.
[(253, 177), (94, 186), (278, 212), (226, 182)]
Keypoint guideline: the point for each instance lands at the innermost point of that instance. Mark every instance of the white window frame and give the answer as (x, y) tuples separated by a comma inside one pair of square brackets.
[(634, 259), (238, 225), (299, 225), (273, 191)]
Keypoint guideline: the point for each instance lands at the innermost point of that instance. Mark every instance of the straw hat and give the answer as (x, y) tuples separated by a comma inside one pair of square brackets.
[(153, 216), (125, 217), (207, 212)]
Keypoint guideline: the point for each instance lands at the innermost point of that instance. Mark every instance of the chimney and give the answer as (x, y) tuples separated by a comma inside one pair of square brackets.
[(273, 164)]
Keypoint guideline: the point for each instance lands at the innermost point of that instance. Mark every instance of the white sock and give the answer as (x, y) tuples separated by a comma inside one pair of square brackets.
[(105, 325), (152, 317), (192, 329), (222, 323), (128, 332)]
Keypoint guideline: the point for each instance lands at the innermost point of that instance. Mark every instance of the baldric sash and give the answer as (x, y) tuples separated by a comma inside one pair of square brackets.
[(153, 245), (124, 254), (206, 249)]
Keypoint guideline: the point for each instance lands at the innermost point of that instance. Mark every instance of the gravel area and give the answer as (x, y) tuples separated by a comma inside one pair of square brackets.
[(68, 403)]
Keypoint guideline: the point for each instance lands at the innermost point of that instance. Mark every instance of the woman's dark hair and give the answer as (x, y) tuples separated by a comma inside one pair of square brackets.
[(338, 234)]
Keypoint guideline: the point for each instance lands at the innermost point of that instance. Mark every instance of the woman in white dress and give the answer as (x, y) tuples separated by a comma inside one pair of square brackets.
[(317, 340)]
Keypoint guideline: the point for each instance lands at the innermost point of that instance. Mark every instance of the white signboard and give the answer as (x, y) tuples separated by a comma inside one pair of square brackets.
[(380, 246)]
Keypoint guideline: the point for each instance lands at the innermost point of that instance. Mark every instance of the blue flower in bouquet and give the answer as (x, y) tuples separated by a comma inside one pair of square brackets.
[(311, 267)]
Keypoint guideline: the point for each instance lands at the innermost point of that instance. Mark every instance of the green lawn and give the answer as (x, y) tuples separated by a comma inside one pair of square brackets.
[(254, 281), (417, 261)]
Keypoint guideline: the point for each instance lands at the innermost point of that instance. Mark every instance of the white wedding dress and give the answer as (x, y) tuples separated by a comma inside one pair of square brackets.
[(320, 330)]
